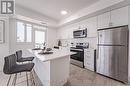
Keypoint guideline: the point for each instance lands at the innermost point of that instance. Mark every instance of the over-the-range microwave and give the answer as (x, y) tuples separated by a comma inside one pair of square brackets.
[(80, 33)]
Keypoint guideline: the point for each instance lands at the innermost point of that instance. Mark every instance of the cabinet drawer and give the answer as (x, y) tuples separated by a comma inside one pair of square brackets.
[(87, 54), (89, 66), (88, 62), (89, 58)]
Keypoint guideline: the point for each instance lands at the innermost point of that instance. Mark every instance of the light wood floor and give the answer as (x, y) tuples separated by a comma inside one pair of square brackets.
[(78, 77), (84, 77)]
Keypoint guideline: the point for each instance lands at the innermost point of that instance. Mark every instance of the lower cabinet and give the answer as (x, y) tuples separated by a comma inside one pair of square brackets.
[(89, 59)]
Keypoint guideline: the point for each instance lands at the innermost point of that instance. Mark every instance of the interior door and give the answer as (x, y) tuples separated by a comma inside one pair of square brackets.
[(112, 61)]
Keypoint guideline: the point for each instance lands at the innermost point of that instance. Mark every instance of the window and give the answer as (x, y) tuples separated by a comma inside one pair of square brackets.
[(20, 32), (29, 33), (24, 32), (39, 38)]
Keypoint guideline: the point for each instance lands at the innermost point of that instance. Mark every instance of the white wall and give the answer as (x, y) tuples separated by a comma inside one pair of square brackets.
[(51, 36), (4, 47)]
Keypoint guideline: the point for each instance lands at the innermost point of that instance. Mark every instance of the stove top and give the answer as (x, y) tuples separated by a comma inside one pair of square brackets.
[(81, 46)]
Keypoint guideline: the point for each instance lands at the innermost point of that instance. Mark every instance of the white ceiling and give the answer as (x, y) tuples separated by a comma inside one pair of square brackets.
[(52, 8)]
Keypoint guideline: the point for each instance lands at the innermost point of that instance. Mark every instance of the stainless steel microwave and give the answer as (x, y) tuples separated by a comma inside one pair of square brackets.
[(80, 33)]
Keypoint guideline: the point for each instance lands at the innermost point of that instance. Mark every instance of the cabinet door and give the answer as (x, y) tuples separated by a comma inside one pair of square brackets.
[(119, 17), (104, 20), (65, 34), (89, 59), (70, 33), (91, 25)]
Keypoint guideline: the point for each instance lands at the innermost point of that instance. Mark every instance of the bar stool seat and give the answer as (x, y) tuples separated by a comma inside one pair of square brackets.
[(22, 59), (25, 59), (11, 67), (22, 68)]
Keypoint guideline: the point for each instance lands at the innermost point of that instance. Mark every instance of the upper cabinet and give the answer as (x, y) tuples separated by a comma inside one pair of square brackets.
[(104, 20), (91, 25), (114, 18), (119, 17)]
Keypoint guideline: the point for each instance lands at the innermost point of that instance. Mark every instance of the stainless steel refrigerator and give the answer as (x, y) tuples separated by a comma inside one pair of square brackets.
[(112, 58)]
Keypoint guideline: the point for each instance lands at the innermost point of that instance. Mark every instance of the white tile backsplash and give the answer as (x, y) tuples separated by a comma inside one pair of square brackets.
[(91, 40)]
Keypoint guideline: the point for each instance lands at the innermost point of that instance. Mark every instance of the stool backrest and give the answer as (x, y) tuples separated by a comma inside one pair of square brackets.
[(19, 54), (10, 62)]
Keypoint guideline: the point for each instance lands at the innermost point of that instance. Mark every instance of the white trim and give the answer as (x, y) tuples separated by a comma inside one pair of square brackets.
[(25, 33)]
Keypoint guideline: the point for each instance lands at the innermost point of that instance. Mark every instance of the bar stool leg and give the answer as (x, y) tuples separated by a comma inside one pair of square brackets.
[(9, 80), (20, 72), (15, 79), (32, 77), (27, 79)]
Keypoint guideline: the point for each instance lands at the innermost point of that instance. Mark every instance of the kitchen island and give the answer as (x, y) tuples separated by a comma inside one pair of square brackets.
[(52, 69)]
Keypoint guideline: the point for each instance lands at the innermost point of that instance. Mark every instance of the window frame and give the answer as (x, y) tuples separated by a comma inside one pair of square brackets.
[(17, 31), (25, 32), (33, 32)]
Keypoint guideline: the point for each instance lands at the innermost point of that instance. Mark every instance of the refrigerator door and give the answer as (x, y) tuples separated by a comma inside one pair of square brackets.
[(113, 36), (112, 61)]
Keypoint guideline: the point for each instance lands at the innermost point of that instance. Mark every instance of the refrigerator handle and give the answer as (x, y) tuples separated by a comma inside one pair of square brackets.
[(96, 54)]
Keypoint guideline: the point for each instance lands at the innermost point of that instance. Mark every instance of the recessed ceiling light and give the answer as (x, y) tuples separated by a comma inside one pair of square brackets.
[(64, 12)]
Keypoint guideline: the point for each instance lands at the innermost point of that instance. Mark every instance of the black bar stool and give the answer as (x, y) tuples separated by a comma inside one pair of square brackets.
[(21, 59), (11, 67)]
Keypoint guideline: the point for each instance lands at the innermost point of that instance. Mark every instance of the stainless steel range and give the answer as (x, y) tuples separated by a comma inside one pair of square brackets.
[(78, 58)]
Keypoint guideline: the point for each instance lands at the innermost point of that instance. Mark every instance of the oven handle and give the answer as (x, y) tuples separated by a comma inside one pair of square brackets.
[(76, 49)]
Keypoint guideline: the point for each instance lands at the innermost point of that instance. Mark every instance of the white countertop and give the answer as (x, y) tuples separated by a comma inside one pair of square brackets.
[(57, 54)]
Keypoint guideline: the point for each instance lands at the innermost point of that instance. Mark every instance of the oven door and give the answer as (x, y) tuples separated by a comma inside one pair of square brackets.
[(78, 56)]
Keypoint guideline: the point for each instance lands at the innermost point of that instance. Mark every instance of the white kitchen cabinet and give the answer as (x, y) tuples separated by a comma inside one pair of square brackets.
[(104, 20), (70, 33), (91, 25), (119, 17), (62, 34), (89, 59), (59, 31), (67, 31)]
